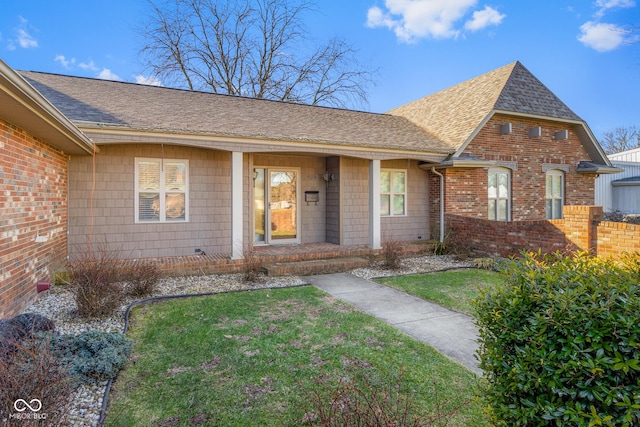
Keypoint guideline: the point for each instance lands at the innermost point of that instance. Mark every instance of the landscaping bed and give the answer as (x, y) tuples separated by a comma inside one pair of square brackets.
[(58, 305)]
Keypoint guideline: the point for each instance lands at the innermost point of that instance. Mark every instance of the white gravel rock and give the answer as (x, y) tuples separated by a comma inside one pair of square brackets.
[(423, 264), (58, 305)]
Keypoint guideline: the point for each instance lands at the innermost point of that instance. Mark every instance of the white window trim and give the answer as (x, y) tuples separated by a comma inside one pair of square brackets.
[(162, 192), (500, 170), (561, 174), (391, 193)]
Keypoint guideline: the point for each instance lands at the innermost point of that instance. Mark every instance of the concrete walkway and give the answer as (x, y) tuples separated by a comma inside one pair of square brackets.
[(451, 333)]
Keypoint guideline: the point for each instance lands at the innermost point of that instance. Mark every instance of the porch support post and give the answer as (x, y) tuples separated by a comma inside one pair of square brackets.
[(374, 204), (237, 244)]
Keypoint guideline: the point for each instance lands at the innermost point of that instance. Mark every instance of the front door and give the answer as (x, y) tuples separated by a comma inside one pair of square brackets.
[(276, 206)]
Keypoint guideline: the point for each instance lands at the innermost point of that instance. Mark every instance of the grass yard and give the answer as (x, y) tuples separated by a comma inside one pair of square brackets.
[(454, 289), (262, 358)]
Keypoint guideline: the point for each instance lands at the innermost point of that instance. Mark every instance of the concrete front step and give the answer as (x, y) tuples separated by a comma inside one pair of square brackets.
[(318, 266)]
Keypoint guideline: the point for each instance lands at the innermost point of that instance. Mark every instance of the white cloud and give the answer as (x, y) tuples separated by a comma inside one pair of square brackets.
[(150, 80), (107, 74), (412, 20), (601, 37), (483, 18), (605, 5), (66, 63), (23, 38), (88, 66), (610, 4)]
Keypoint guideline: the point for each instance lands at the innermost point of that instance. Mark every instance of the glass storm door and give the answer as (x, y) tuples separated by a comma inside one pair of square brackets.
[(259, 212), (276, 221)]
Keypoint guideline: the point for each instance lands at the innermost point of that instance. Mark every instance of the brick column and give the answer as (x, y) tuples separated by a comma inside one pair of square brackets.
[(579, 226)]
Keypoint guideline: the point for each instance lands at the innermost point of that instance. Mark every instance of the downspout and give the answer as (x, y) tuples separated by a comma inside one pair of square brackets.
[(441, 203)]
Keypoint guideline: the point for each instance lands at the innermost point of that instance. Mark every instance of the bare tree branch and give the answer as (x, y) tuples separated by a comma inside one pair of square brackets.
[(254, 48), (621, 139)]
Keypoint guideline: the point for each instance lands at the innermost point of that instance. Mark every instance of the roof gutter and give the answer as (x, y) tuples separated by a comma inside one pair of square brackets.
[(465, 163), (599, 169)]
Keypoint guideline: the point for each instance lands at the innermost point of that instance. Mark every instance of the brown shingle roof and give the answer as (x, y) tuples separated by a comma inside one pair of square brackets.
[(455, 113), (152, 108)]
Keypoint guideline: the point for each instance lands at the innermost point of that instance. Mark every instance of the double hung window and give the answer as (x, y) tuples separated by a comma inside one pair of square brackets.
[(499, 195), (554, 198), (393, 192), (162, 187)]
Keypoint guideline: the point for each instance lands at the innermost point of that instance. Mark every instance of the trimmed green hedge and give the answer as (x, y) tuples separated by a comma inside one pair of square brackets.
[(560, 342)]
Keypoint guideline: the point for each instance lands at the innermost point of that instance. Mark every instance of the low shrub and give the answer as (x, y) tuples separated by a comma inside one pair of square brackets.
[(92, 355), (452, 244), (33, 372), (96, 284), (141, 279), (485, 263), (560, 342), (21, 327), (619, 216), (252, 266), (393, 251), (364, 399)]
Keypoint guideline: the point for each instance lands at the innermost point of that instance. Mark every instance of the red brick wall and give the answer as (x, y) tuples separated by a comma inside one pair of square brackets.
[(614, 238), (483, 237), (33, 201), (467, 188), (580, 229)]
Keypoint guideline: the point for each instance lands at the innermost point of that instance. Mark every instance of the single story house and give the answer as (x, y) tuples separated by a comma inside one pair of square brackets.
[(178, 173), (621, 192)]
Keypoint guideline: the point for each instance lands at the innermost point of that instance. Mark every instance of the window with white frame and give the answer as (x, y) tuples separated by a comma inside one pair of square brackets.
[(393, 192), (554, 198), (499, 195), (162, 186)]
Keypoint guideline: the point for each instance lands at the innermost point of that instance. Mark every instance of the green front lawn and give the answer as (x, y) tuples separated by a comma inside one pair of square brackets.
[(262, 358), (454, 289)]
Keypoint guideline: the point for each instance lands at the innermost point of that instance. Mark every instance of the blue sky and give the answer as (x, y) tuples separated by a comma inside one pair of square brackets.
[(586, 51)]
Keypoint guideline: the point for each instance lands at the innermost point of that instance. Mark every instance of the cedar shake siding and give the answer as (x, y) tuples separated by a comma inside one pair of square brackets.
[(415, 224), (354, 194), (111, 220)]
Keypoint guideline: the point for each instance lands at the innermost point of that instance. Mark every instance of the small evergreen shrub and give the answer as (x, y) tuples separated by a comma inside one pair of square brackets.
[(93, 355), (560, 342), (141, 278)]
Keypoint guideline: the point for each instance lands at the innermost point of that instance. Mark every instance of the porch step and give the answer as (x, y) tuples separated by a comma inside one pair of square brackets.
[(316, 266)]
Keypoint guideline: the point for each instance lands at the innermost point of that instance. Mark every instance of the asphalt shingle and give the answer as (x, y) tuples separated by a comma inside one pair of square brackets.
[(151, 108), (453, 114)]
